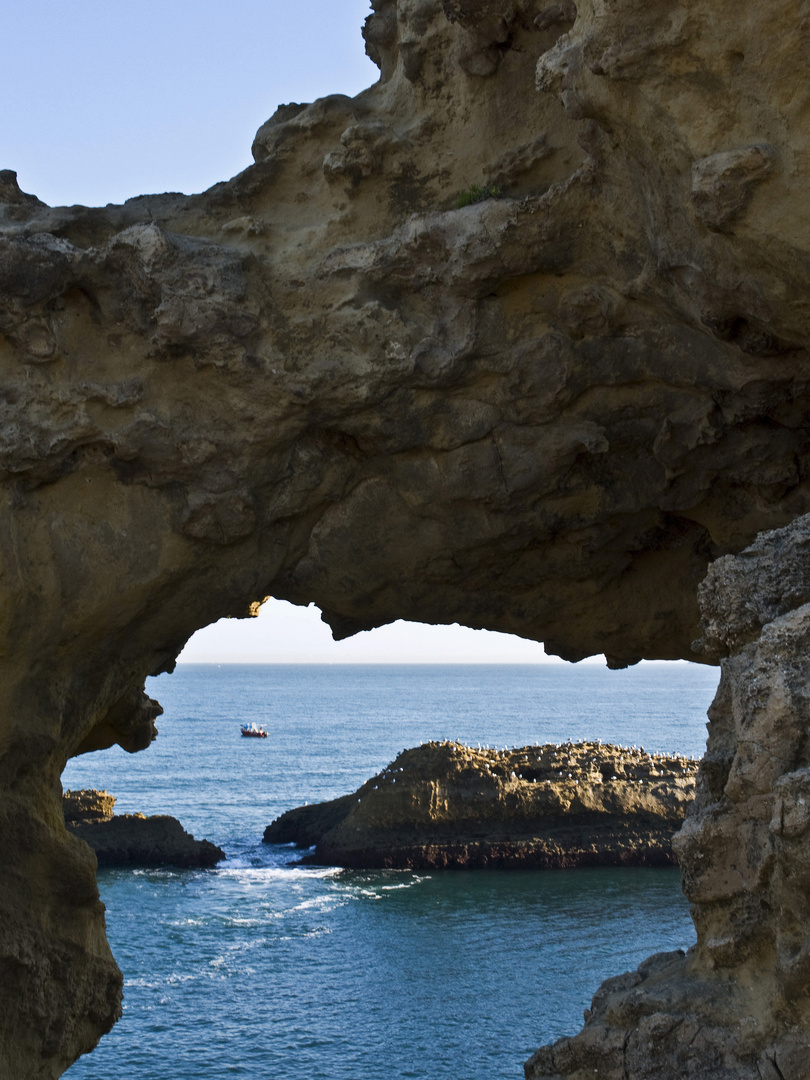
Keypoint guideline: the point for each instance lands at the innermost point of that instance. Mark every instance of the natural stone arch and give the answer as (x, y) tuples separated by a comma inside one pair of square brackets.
[(545, 412)]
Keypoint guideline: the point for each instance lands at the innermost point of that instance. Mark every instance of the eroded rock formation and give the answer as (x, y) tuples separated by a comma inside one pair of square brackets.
[(447, 805), (737, 1006), (544, 413), (134, 839)]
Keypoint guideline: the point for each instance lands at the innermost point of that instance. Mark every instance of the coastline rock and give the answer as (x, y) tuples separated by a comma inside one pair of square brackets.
[(544, 413), (134, 839), (737, 1005), (87, 806), (445, 805)]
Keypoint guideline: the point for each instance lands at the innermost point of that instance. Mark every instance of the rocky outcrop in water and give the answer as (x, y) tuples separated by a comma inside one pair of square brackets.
[(545, 412), (447, 805), (737, 1006), (133, 839)]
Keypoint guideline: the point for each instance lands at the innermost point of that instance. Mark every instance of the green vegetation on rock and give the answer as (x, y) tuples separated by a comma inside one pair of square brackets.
[(476, 193)]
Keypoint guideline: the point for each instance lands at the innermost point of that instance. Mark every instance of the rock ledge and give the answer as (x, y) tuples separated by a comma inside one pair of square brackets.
[(134, 839), (448, 805)]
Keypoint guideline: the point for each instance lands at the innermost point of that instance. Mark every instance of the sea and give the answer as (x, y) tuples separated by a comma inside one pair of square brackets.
[(273, 970)]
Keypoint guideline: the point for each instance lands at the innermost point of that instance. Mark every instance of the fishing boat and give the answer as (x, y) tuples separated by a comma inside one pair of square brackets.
[(252, 731)]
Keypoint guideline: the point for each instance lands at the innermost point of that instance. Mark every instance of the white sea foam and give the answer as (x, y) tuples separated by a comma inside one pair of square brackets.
[(251, 874)]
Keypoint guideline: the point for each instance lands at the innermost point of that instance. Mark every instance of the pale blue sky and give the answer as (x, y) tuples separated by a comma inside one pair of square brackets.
[(283, 633), (104, 100)]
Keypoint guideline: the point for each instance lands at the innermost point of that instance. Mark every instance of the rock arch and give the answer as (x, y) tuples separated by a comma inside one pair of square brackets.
[(545, 412)]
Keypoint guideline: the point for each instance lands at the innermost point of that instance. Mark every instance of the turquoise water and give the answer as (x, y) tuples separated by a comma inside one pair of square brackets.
[(265, 969)]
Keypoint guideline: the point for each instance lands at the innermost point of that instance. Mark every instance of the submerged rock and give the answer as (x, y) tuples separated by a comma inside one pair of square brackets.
[(133, 839), (448, 805)]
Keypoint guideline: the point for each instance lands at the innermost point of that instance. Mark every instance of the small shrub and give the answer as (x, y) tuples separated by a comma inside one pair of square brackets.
[(476, 193)]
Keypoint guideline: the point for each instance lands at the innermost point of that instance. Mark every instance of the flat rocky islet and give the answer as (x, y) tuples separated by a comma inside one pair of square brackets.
[(133, 839), (446, 805)]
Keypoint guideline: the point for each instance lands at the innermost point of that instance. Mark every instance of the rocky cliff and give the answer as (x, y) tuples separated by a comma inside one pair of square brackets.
[(133, 839), (544, 412), (447, 805), (737, 1006)]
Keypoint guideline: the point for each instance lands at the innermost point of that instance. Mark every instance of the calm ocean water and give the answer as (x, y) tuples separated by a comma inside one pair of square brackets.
[(265, 970)]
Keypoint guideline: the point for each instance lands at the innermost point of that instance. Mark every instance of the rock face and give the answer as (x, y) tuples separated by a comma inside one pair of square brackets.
[(447, 805), (737, 1006), (545, 413), (87, 806), (133, 839)]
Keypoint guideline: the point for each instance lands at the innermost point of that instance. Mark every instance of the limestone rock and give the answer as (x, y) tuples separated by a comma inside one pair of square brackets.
[(136, 840), (737, 1006), (545, 413), (741, 595), (87, 806), (723, 184), (448, 805), (133, 839)]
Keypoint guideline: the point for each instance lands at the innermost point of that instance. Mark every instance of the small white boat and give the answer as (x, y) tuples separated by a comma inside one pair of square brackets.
[(252, 731)]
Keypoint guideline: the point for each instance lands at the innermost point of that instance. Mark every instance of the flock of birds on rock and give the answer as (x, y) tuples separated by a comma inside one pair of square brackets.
[(552, 763)]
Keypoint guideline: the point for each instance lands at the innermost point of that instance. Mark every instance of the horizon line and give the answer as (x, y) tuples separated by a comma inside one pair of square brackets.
[(597, 659)]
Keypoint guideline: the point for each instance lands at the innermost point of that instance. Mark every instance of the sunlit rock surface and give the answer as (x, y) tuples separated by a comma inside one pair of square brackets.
[(544, 413), (447, 805)]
